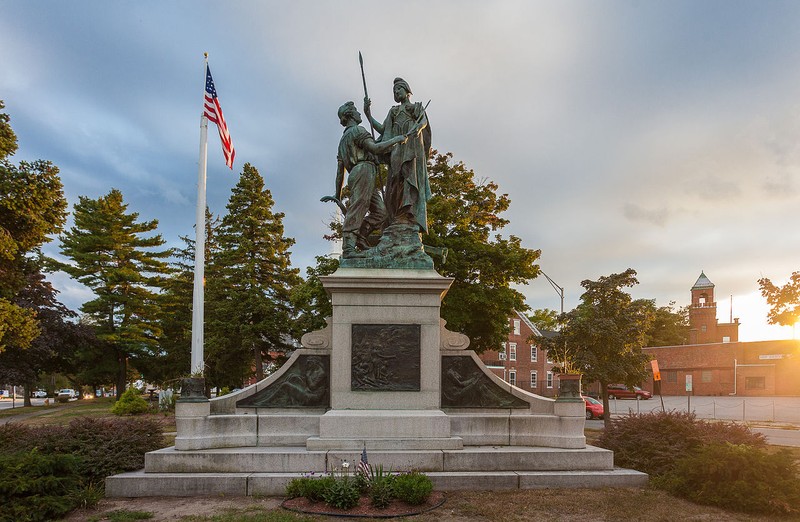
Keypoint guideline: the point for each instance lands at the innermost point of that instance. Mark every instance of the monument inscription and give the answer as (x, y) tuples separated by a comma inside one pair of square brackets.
[(385, 357)]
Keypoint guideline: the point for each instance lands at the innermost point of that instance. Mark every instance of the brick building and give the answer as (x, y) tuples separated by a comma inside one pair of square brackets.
[(717, 363), (523, 363)]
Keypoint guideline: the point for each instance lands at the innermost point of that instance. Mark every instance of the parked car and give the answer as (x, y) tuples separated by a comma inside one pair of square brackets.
[(66, 393), (594, 408), (620, 391), (39, 394), (4, 394)]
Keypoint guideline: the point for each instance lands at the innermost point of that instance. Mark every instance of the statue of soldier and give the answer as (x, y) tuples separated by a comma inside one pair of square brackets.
[(407, 186), (366, 210)]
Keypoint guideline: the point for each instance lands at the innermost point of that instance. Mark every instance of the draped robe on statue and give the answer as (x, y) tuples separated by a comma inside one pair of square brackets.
[(407, 186)]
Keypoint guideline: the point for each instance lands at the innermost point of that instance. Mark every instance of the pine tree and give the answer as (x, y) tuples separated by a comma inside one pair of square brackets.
[(249, 284), (111, 255)]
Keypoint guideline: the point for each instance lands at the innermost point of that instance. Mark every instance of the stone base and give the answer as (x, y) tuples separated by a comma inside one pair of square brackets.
[(266, 471)]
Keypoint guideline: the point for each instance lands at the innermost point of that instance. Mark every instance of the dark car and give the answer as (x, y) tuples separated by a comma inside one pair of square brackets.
[(620, 391), (594, 408)]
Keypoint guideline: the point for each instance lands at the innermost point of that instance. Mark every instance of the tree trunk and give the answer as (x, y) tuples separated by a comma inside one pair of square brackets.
[(259, 364), (606, 410), (28, 389), (122, 373)]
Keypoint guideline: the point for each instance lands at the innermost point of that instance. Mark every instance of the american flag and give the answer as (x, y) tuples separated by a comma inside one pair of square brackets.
[(363, 465), (213, 111)]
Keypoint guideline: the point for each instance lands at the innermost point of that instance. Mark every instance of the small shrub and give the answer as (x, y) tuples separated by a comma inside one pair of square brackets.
[(342, 493), (37, 487), (130, 403), (381, 491), (312, 488), (738, 477), (110, 446), (414, 487), (653, 442)]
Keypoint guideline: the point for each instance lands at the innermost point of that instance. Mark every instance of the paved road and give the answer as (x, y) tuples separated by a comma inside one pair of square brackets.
[(6, 404)]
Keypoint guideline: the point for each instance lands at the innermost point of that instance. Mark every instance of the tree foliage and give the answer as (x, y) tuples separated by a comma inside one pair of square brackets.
[(250, 281), (32, 207), (544, 319), (53, 350), (605, 333), (311, 303), (784, 301), (464, 217), (670, 326), (112, 255)]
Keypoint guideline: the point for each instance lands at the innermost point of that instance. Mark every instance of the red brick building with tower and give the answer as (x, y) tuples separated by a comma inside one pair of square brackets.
[(718, 363)]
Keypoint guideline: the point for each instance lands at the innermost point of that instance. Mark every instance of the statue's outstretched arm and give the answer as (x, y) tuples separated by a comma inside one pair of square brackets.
[(378, 126)]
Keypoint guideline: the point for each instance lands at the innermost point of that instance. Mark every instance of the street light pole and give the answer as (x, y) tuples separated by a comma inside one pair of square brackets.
[(560, 291)]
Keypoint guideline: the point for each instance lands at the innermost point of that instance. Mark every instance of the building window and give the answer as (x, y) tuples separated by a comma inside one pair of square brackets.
[(512, 377), (671, 376), (534, 354), (754, 383), (502, 351), (549, 358), (705, 376), (512, 351), (726, 338), (516, 326), (534, 380), (703, 328), (549, 379), (702, 300)]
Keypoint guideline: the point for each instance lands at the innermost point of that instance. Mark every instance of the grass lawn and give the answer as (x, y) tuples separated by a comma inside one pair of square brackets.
[(62, 414), (461, 506)]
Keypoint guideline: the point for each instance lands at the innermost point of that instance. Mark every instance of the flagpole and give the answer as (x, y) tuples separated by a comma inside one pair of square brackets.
[(200, 242)]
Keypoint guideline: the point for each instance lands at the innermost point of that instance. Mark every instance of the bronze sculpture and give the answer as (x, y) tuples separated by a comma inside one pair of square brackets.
[(407, 186), (357, 155)]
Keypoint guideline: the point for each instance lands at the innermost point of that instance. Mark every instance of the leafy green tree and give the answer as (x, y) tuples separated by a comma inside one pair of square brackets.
[(544, 319), (8, 140), (464, 217), (32, 207), (249, 286), (112, 256), (784, 301), (53, 350), (670, 325), (309, 299), (605, 333)]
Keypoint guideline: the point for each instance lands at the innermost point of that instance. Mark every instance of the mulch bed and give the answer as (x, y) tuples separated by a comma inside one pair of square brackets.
[(364, 509)]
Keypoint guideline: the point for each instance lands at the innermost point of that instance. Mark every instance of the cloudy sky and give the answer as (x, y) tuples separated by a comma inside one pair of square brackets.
[(661, 136)]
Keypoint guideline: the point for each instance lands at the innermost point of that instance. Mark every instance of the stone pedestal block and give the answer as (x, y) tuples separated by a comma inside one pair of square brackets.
[(388, 298)]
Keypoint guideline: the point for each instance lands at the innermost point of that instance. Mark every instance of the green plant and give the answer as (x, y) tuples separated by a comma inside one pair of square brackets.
[(312, 488), (130, 403), (342, 493), (381, 491), (37, 486), (738, 477), (413, 487), (654, 442)]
